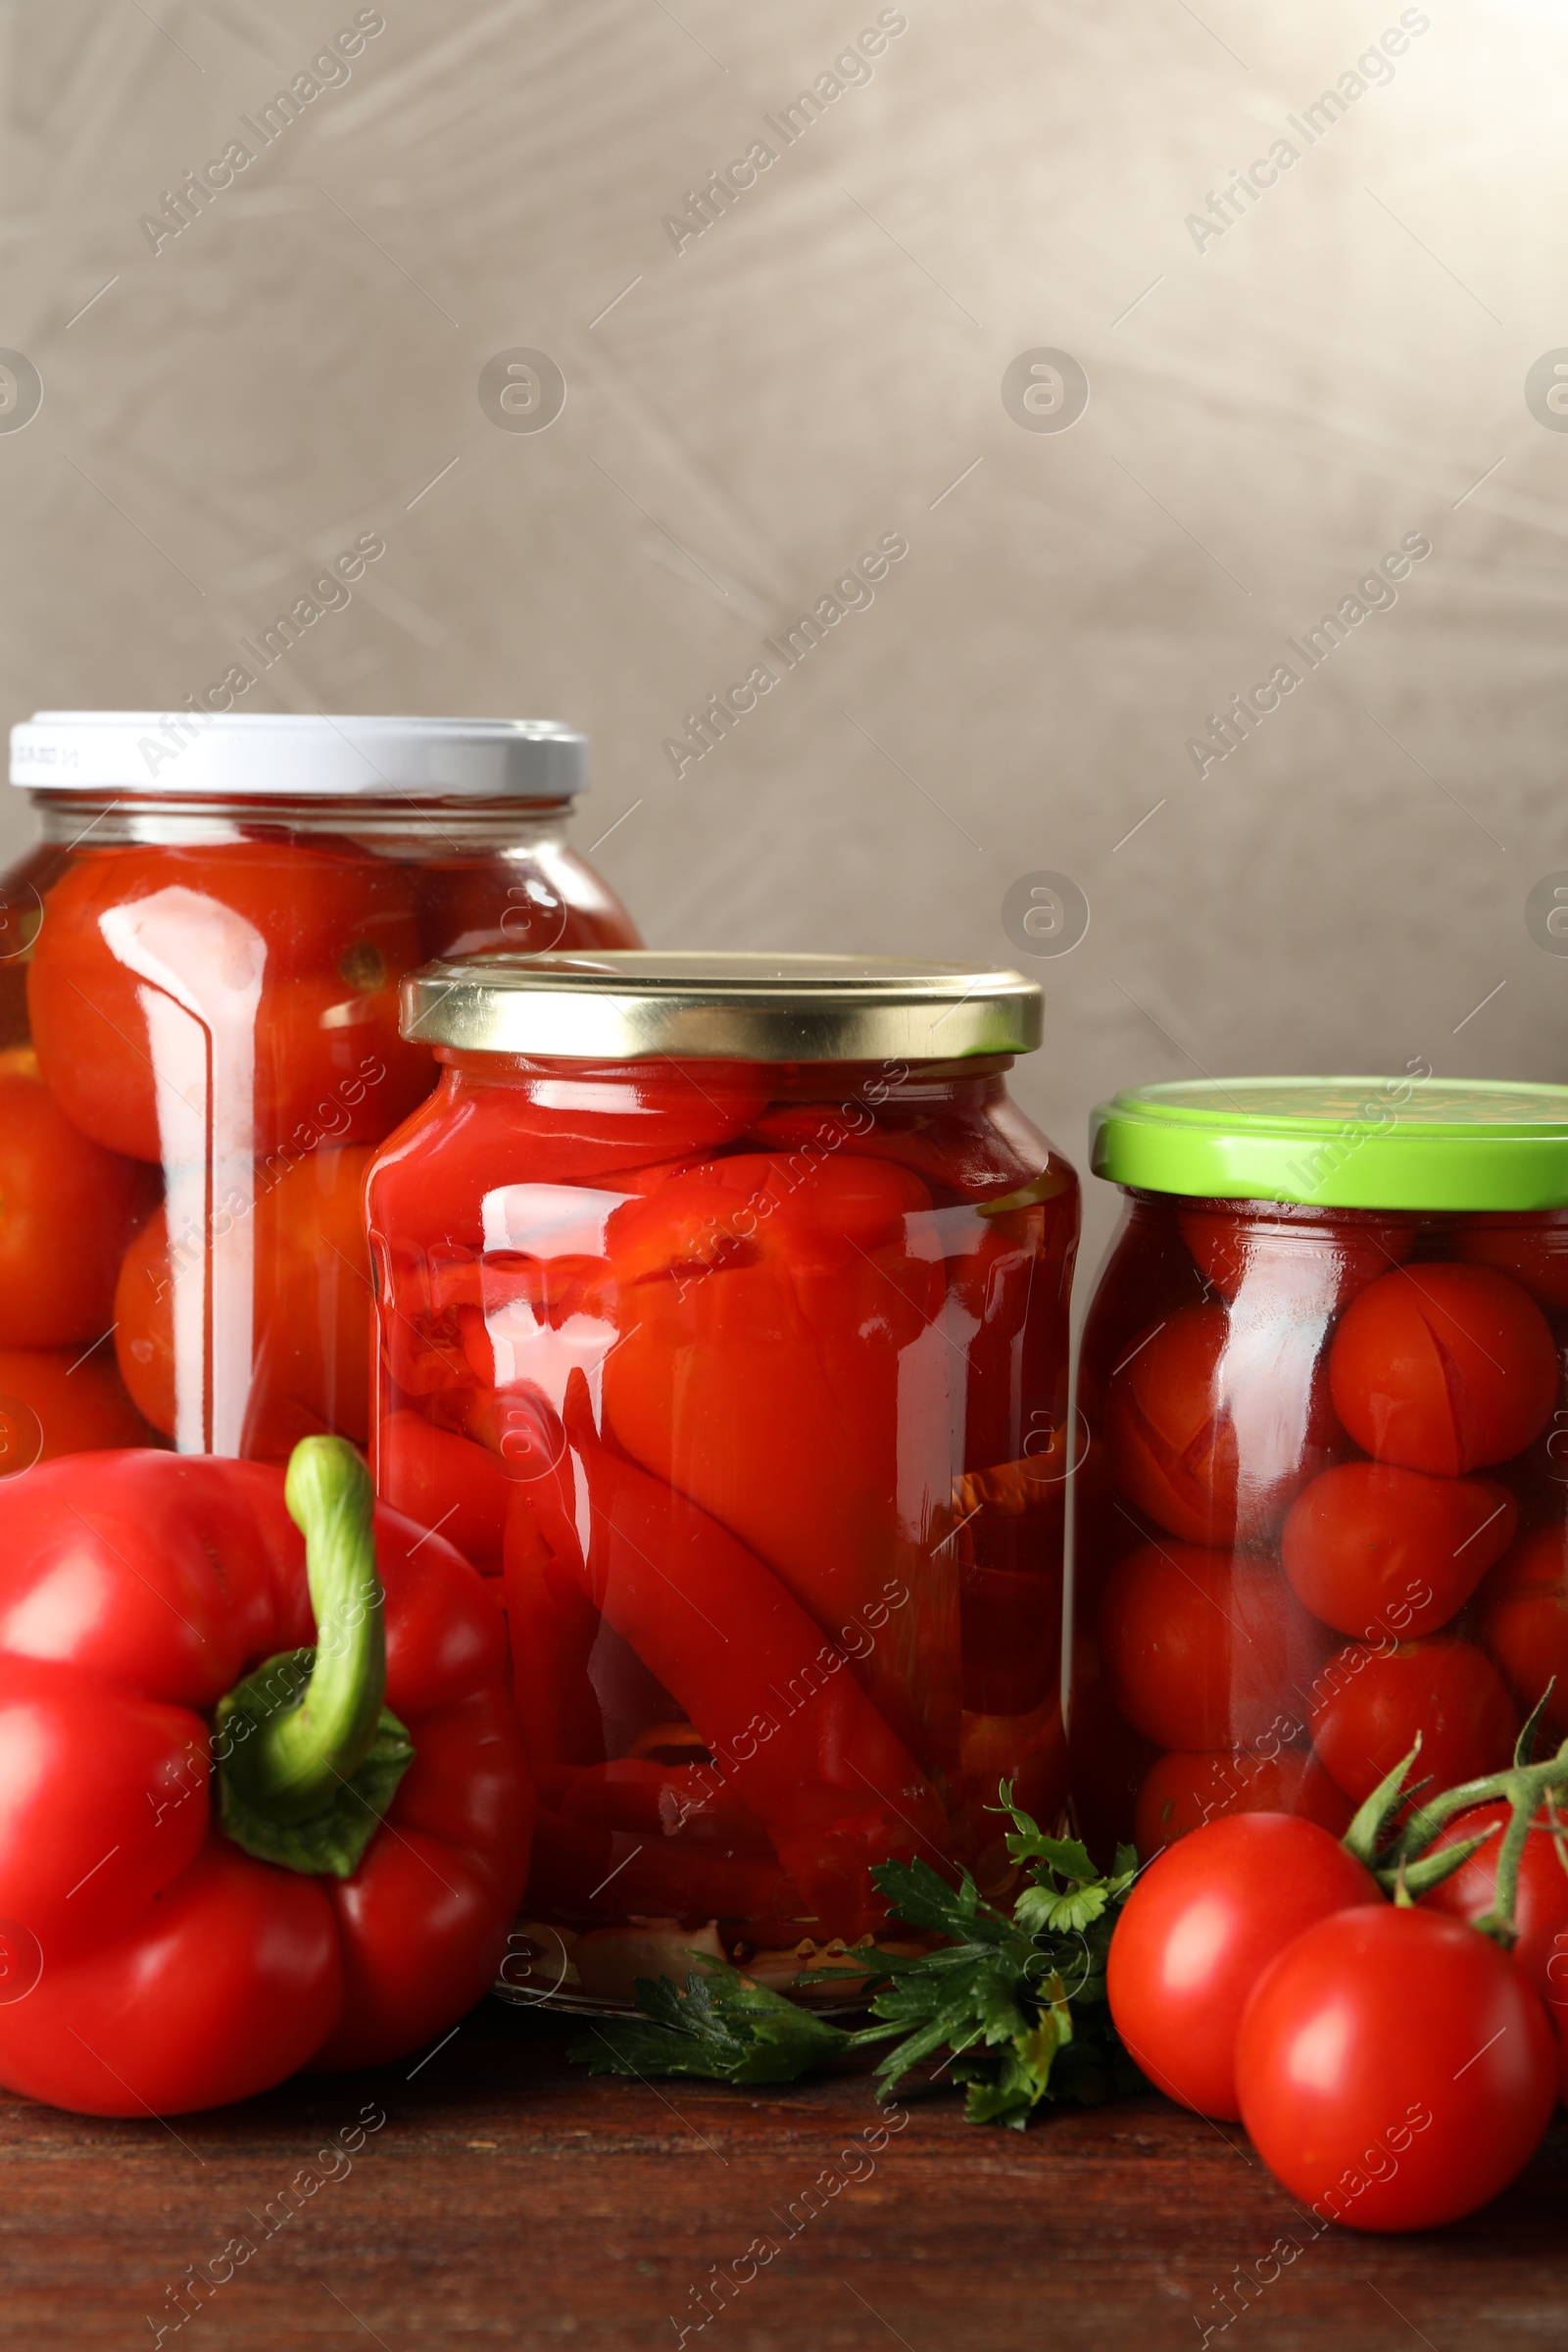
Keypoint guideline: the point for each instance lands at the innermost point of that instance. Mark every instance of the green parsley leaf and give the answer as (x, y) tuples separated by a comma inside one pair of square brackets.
[(1016, 2000), (1019, 1999), (1064, 1855), (722, 2028), (926, 1900)]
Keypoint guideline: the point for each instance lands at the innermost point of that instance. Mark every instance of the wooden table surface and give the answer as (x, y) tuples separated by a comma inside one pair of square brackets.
[(508, 2199)]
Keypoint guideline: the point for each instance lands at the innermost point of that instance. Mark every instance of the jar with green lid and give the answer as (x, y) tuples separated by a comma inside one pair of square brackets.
[(1323, 1502)]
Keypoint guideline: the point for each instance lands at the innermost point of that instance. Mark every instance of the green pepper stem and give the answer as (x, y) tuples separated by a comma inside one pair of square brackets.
[(299, 1755)]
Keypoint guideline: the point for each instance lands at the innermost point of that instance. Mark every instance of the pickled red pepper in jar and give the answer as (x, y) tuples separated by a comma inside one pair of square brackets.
[(1325, 1502), (199, 1046), (722, 1313)]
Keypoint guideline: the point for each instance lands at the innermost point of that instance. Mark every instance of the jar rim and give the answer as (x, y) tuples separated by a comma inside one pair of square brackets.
[(632, 1005), (1409, 1141), (269, 754)]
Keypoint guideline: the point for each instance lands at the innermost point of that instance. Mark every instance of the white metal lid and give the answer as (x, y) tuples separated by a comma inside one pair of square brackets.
[(291, 755)]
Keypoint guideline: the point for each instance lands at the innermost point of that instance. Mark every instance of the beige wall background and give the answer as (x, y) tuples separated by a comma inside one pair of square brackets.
[(1271, 410)]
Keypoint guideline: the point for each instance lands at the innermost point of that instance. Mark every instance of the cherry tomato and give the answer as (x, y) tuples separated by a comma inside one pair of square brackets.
[(1215, 1422), (66, 1210), (1186, 1788), (1199, 1928), (1532, 1250), (1201, 1646), (302, 1245), (1523, 1622), (1541, 1895), (53, 1400), (1372, 1548), (1368, 1706), (1396, 2068), (1443, 1368), (163, 977), (1291, 1257)]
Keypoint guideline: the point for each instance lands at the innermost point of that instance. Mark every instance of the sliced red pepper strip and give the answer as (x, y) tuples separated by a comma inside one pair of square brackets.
[(422, 1330), (663, 1800), (979, 1151), (781, 1361), (445, 1482), (1009, 1276), (533, 1128), (778, 1706), (552, 1626), (588, 1873)]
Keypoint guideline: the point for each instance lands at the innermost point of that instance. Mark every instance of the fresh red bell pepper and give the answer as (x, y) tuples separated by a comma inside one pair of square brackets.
[(260, 1806)]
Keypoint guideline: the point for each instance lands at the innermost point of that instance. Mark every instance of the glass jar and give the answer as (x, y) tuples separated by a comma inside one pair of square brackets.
[(1325, 1502), (199, 966), (723, 1306)]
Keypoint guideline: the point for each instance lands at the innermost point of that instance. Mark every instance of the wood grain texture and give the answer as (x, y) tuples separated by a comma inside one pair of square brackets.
[(508, 2200)]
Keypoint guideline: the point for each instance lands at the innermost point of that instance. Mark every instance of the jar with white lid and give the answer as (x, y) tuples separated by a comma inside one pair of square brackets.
[(199, 968)]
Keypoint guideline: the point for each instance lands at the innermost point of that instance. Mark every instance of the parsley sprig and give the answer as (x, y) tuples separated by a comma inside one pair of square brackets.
[(722, 2029), (1015, 2000)]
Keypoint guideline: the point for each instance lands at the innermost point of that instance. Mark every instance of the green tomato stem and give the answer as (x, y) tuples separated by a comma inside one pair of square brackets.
[(1524, 1787), (1411, 1865)]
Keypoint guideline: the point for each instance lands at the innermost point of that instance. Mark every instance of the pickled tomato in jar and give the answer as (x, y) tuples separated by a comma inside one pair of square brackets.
[(200, 1046), (1325, 1505)]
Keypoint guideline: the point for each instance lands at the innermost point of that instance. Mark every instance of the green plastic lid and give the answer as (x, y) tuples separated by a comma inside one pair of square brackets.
[(1404, 1143)]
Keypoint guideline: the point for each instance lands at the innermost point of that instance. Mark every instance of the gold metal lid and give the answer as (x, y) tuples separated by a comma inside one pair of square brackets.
[(630, 1005)]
